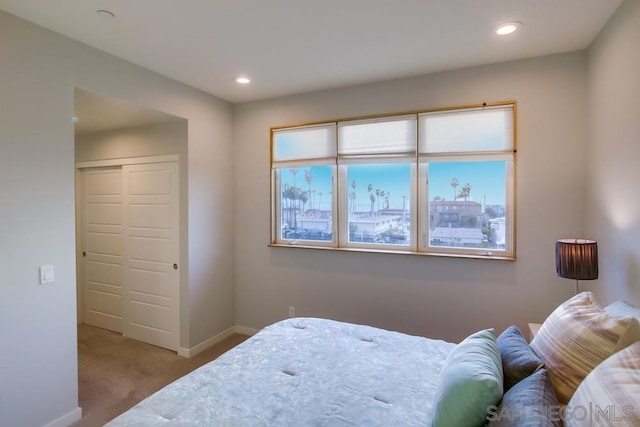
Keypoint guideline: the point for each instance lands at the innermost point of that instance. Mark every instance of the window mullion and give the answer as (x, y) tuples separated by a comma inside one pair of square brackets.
[(342, 207)]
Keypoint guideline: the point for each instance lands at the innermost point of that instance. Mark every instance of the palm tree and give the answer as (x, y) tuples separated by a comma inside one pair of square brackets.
[(285, 198), (320, 200), (296, 195), (378, 194), (292, 194), (353, 199), (294, 172), (386, 200), (465, 192), (454, 184), (373, 200), (382, 196), (304, 199), (308, 176)]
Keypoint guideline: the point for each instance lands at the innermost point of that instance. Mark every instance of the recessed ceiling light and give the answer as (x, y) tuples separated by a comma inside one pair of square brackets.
[(105, 14), (508, 28), (242, 80)]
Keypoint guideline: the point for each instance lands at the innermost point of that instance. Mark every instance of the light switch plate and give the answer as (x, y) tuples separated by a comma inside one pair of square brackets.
[(46, 274)]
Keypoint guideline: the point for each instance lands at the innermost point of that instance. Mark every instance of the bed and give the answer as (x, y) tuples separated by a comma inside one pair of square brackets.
[(305, 371), (320, 372)]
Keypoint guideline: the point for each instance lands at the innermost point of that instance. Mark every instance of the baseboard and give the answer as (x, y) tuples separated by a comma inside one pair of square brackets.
[(68, 419), (243, 330), (190, 352)]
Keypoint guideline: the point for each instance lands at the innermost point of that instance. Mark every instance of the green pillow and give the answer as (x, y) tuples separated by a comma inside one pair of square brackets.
[(471, 381)]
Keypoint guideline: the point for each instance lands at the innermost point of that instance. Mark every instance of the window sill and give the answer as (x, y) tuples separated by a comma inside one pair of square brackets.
[(394, 252)]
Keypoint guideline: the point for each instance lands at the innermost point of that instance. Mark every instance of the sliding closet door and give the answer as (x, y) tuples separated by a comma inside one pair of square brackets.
[(151, 253), (102, 248)]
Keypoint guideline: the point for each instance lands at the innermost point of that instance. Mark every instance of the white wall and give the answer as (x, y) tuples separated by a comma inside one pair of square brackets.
[(38, 358), (438, 297), (613, 203)]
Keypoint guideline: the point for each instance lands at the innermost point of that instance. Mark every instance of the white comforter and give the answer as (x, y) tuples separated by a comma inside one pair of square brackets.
[(305, 372)]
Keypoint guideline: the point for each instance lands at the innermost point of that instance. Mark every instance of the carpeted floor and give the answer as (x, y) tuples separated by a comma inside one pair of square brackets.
[(115, 373)]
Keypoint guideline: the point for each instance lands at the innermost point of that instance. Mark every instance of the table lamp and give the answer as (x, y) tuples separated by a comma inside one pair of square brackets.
[(577, 259)]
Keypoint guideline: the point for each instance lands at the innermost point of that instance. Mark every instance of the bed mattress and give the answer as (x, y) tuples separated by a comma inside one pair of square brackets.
[(305, 371)]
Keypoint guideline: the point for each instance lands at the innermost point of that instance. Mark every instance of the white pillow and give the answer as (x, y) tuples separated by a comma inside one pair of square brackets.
[(623, 308), (576, 337), (610, 394)]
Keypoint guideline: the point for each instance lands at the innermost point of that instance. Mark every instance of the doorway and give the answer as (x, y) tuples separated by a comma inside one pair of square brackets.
[(131, 214)]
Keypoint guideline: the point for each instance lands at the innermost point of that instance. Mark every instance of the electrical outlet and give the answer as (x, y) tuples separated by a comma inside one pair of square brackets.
[(292, 312)]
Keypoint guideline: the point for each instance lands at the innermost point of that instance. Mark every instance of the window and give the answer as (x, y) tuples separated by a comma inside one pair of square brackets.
[(466, 160), (376, 159), (438, 182), (304, 213), (379, 201), (303, 177)]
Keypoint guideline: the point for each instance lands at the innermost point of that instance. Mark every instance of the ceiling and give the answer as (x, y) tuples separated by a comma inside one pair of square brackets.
[(296, 46)]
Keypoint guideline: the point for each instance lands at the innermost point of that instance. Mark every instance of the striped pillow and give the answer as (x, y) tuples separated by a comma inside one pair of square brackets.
[(576, 337), (610, 394)]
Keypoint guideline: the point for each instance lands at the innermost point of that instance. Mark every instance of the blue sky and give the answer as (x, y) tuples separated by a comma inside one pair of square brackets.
[(486, 178), (394, 179)]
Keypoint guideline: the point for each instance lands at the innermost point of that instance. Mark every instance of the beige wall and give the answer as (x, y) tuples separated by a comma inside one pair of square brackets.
[(438, 297), (613, 203), (40, 69)]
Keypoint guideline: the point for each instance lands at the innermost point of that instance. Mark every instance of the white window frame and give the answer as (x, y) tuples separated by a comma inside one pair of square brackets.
[(343, 220), (277, 211), (419, 190), (404, 152), (424, 224)]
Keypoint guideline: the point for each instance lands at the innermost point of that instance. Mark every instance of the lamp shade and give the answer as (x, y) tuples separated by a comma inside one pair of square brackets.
[(577, 259)]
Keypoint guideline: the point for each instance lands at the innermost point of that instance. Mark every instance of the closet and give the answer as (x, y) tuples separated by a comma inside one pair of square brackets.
[(129, 276)]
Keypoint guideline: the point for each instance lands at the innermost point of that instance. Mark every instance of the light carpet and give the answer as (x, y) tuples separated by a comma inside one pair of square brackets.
[(115, 373)]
